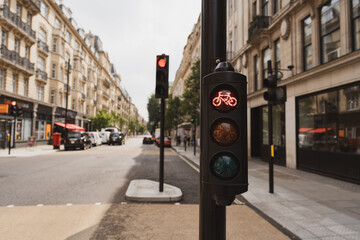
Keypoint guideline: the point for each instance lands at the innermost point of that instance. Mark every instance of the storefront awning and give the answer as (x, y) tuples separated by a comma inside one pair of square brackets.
[(320, 130), (70, 126)]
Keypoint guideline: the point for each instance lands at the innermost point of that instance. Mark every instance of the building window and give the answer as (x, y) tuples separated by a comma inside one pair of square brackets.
[(256, 73), (42, 35), (53, 72), (74, 84), (76, 45), (52, 97), (28, 18), (2, 78), (307, 43), (276, 6), (4, 36), (60, 99), (254, 9), (75, 64), (18, 9), (330, 31), (41, 64), (39, 92), (26, 86), (61, 74), (73, 104), (265, 8), (14, 83), (17, 45), (277, 54), (68, 37), (356, 24), (266, 56), (57, 23), (327, 121), (43, 9), (55, 41), (27, 51)]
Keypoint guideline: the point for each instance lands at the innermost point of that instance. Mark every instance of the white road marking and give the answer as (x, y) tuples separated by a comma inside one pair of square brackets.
[(10, 206), (69, 204), (98, 203), (40, 205), (123, 203), (177, 203)]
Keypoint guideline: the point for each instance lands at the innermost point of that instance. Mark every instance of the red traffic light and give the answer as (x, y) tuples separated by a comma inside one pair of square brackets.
[(161, 62), (13, 103)]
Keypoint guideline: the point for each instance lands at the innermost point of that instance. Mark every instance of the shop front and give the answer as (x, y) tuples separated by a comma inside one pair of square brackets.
[(60, 115), (23, 124), (260, 134), (328, 132), (43, 123)]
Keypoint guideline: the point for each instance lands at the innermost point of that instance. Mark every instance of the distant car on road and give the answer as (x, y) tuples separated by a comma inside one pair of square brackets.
[(105, 137), (148, 139), (116, 138), (75, 140), (167, 142), (97, 141)]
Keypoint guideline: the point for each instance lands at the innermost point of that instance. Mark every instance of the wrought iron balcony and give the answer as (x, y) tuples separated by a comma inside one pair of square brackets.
[(15, 20), (43, 46), (41, 75), (15, 59), (258, 23)]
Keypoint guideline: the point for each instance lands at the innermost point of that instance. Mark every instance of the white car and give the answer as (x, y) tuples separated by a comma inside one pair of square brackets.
[(105, 136), (97, 138)]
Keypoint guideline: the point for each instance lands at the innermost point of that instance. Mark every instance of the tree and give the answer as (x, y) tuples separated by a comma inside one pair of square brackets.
[(153, 108), (173, 114), (191, 95), (102, 119)]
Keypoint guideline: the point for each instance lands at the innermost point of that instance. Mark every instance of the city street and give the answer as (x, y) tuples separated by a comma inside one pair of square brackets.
[(81, 195)]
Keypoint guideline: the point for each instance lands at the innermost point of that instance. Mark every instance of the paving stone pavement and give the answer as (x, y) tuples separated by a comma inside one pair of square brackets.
[(311, 206)]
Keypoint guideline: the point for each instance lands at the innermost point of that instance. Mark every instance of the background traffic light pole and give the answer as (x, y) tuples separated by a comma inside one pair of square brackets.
[(212, 218)]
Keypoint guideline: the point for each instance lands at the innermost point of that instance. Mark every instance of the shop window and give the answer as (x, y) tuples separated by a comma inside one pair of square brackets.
[(356, 23), (330, 121), (330, 31)]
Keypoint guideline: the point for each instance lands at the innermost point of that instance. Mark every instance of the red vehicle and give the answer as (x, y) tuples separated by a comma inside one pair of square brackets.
[(167, 142)]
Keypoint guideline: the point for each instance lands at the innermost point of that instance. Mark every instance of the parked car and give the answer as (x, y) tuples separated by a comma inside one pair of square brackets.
[(92, 139), (75, 140), (148, 139), (97, 137), (116, 138), (167, 142), (105, 137)]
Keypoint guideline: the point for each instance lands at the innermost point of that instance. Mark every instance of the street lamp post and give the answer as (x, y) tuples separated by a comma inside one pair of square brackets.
[(67, 92)]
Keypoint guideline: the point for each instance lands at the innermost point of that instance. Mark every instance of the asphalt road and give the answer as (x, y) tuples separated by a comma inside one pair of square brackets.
[(77, 189)]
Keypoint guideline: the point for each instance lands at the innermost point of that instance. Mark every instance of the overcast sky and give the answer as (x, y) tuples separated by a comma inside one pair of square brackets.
[(133, 32)]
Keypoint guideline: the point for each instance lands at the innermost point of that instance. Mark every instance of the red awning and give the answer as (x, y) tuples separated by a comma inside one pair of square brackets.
[(71, 127), (320, 130)]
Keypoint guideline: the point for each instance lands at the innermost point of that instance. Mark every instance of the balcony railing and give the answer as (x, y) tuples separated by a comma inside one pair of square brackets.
[(15, 58), (41, 75), (15, 19), (259, 22), (43, 46)]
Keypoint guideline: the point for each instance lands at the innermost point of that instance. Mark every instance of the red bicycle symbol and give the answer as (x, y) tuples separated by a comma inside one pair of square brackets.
[(224, 98)]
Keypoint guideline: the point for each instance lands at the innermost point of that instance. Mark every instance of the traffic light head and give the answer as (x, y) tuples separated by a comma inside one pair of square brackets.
[(162, 76), (13, 108), (270, 81), (275, 95), (224, 135)]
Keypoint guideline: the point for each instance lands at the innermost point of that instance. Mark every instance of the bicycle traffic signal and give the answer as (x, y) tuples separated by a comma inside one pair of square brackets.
[(224, 134), (162, 76)]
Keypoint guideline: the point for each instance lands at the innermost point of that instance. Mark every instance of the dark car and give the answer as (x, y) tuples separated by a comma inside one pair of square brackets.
[(167, 142), (116, 138), (148, 139), (75, 140)]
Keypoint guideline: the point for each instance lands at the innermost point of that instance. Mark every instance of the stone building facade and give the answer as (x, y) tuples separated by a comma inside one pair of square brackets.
[(315, 45), (45, 57)]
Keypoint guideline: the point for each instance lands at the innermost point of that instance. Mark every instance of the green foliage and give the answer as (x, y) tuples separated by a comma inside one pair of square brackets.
[(191, 95), (153, 108), (102, 119), (173, 113)]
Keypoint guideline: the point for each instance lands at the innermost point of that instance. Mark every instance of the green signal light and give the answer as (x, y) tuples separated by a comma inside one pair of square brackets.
[(225, 165)]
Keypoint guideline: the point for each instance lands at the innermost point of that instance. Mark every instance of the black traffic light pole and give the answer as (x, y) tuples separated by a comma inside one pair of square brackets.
[(212, 223), (162, 128), (270, 137)]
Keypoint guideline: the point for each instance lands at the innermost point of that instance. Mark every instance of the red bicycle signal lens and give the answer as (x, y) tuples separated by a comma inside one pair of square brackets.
[(162, 62), (224, 98), (13, 103)]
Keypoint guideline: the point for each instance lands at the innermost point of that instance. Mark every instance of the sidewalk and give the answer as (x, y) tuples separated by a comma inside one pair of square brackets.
[(309, 205), (28, 151)]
